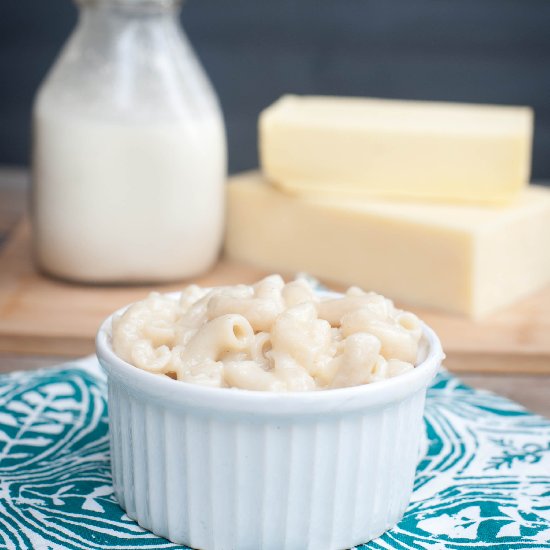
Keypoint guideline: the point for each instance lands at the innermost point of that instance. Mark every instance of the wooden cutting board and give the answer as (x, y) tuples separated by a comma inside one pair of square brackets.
[(43, 316)]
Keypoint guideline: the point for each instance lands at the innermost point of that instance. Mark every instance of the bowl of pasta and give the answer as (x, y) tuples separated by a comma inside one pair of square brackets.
[(271, 416)]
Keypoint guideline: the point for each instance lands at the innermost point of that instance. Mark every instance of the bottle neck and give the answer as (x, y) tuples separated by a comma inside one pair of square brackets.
[(130, 8), (111, 24), (128, 60)]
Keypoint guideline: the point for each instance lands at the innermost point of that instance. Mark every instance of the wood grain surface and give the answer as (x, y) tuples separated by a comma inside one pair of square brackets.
[(39, 315)]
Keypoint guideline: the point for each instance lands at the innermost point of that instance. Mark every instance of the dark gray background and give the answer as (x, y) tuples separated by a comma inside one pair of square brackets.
[(255, 50)]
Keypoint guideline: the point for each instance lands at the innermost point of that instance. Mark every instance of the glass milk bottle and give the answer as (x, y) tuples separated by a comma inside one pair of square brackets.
[(129, 152)]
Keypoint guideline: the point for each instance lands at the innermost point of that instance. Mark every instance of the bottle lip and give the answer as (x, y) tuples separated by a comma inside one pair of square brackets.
[(134, 3)]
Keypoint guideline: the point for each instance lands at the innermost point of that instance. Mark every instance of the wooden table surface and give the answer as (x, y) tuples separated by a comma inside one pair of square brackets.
[(533, 391)]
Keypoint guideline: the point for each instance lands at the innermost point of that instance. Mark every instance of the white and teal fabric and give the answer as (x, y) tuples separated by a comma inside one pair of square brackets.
[(484, 481)]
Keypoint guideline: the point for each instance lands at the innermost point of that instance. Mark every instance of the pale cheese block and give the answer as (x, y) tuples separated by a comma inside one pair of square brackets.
[(465, 259), (413, 149)]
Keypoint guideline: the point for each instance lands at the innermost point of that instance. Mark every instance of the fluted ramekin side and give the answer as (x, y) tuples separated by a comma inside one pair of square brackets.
[(213, 482)]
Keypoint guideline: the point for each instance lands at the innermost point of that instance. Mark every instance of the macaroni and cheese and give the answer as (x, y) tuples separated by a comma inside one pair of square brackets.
[(269, 336)]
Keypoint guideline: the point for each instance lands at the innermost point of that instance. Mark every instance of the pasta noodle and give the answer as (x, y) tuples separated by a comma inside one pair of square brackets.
[(269, 336)]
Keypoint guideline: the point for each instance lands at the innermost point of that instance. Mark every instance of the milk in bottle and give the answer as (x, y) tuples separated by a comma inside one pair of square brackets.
[(129, 153)]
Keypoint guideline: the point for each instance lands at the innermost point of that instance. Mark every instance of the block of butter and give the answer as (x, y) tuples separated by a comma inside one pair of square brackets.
[(413, 149), (459, 258)]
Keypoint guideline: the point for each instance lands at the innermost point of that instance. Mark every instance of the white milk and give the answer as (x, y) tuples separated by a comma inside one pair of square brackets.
[(126, 202)]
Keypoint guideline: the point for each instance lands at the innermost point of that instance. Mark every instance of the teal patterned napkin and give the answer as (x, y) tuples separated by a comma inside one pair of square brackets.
[(484, 481)]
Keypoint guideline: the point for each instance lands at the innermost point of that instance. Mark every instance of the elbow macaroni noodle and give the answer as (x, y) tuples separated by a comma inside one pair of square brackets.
[(269, 336)]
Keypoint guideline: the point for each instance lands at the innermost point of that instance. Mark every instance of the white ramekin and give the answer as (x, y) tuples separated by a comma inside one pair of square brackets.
[(221, 469)]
